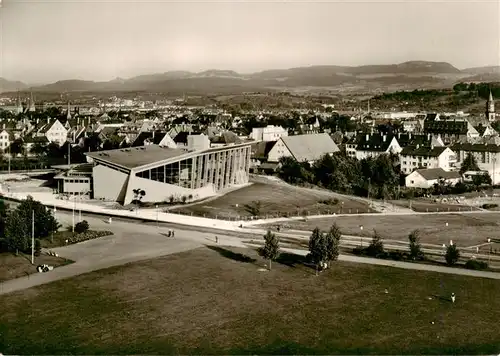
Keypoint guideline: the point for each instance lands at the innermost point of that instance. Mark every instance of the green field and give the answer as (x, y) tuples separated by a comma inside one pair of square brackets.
[(277, 199), (216, 301), (463, 229)]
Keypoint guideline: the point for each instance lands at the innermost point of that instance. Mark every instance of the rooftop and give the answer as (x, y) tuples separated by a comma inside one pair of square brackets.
[(437, 173), (134, 157)]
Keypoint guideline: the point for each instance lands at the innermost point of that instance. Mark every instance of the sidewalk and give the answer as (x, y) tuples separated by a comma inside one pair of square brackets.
[(141, 214)]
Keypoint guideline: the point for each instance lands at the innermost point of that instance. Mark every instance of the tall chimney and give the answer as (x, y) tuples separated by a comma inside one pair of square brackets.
[(428, 136), (384, 137), (3, 126), (48, 120), (399, 134), (367, 137)]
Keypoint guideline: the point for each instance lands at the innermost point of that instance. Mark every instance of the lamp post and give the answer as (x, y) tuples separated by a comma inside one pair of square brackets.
[(361, 237), (157, 224), (489, 251), (55, 218), (74, 207), (32, 237)]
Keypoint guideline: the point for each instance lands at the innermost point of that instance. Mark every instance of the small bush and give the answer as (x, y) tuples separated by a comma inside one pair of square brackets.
[(489, 206), (359, 251), (396, 255), (452, 255), (81, 227), (475, 264), (329, 201), (88, 235)]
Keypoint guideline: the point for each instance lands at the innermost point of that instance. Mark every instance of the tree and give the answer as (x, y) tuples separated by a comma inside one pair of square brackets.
[(16, 147), (17, 234), (318, 248), (38, 149), (376, 247), (138, 195), (469, 164), (270, 251), (19, 222), (415, 248), (253, 208), (452, 255), (333, 243)]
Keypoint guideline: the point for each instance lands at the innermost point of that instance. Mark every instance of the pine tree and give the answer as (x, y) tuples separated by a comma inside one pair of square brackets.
[(270, 251), (333, 242), (318, 248)]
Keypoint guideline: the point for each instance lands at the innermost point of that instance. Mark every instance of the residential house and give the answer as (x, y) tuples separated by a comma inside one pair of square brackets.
[(224, 139), (259, 155), (450, 130), (6, 138), (486, 153), (372, 145), (308, 148), (268, 133), (426, 156), (426, 178), (54, 131), (412, 126), (153, 138), (485, 130)]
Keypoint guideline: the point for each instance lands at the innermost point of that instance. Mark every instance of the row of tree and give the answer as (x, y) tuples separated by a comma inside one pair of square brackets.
[(376, 177), (324, 247)]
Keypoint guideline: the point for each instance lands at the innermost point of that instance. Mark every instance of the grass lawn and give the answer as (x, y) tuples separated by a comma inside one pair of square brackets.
[(464, 229), (277, 199), (13, 266), (216, 301), (423, 206)]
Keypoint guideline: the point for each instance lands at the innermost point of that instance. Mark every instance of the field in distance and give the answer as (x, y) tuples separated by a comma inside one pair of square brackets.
[(217, 301)]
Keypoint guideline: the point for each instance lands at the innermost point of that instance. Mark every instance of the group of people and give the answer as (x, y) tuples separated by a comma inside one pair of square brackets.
[(171, 233)]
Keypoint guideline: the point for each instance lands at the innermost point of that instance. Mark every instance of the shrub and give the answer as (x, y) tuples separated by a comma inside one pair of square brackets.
[(359, 251), (376, 248), (184, 199), (396, 255), (489, 206), (81, 227), (88, 235), (329, 201), (475, 264)]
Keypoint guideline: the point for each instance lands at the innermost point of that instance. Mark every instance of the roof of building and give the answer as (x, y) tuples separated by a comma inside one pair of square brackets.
[(136, 156), (437, 173), (225, 138), (423, 151), (36, 139), (309, 147), (446, 127), (476, 147), (374, 142), (181, 137), (261, 149), (143, 136)]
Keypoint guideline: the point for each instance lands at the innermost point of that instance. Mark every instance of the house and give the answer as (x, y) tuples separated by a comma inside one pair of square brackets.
[(450, 130), (486, 153), (54, 131), (485, 130), (372, 145), (412, 126), (6, 139), (268, 133), (224, 139), (148, 138), (426, 178), (303, 148), (426, 156)]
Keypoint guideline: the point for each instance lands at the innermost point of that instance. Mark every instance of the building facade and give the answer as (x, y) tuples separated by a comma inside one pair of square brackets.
[(163, 172), (268, 133)]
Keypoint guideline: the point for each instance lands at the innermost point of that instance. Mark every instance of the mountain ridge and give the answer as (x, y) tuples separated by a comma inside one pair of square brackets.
[(410, 74)]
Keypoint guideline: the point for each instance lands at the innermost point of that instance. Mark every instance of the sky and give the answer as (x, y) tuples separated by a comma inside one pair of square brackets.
[(44, 41)]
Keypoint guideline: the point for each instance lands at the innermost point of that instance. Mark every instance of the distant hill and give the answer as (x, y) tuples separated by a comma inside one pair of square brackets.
[(482, 70), (407, 75), (8, 85)]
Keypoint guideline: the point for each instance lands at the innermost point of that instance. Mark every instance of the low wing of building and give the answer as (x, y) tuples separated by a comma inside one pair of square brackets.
[(426, 178)]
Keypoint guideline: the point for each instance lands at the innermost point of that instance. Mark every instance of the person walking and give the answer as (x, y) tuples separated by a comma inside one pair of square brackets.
[(173, 234), (216, 240), (453, 297)]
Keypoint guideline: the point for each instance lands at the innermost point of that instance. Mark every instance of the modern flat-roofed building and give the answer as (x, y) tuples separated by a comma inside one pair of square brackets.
[(164, 172)]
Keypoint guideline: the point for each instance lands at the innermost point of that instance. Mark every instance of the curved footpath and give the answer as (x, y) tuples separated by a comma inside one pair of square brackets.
[(133, 242)]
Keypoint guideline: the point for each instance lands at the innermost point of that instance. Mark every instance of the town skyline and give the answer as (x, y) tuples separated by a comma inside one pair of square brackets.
[(103, 41)]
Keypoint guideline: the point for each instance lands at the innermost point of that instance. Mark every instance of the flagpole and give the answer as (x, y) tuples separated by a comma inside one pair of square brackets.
[(32, 237)]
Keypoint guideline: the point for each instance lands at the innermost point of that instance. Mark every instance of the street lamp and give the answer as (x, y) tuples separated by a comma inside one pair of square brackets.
[(157, 225), (361, 237), (74, 207), (489, 251)]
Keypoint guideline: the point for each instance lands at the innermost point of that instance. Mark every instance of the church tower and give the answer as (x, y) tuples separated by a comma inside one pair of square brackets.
[(32, 106), (68, 112), (490, 109)]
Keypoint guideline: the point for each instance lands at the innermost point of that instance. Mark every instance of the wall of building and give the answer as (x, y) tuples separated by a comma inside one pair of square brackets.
[(76, 185), (279, 150), (109, 184), (158, 191)]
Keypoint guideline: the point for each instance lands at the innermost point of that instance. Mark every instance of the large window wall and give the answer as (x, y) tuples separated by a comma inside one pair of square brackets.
[(178, 173)]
